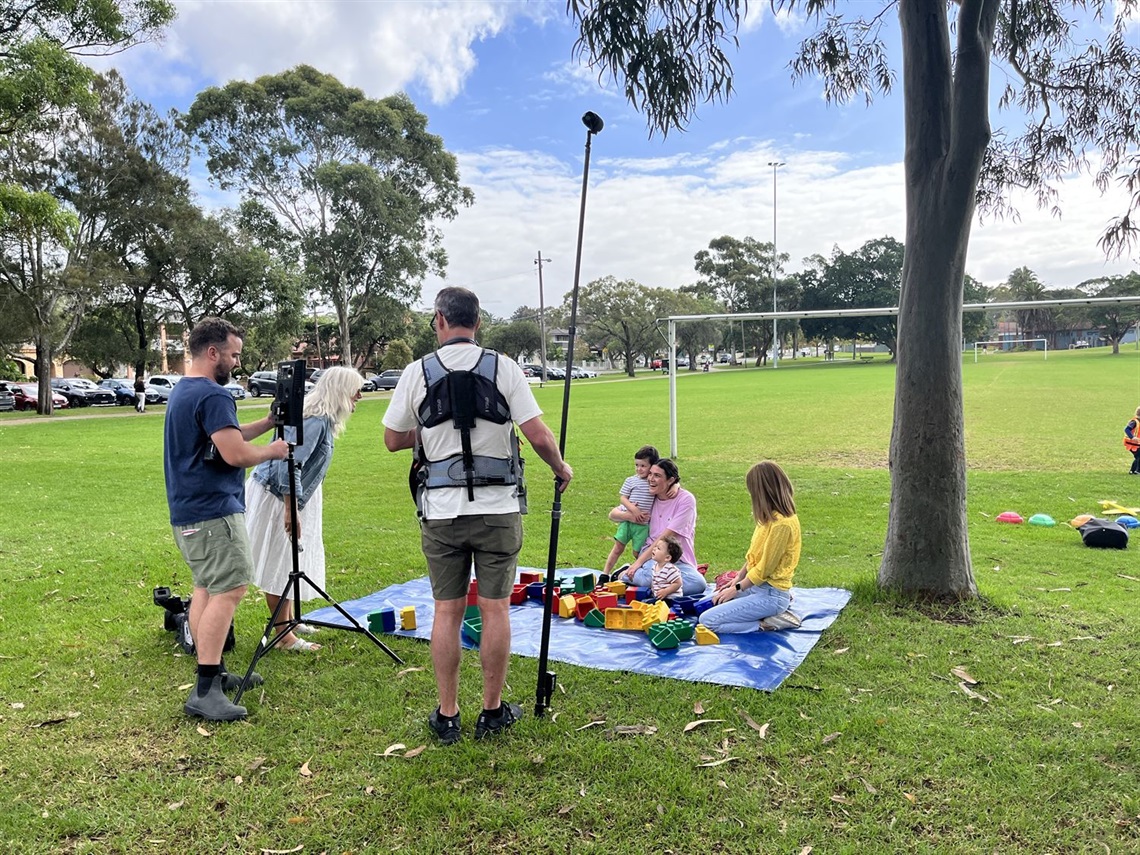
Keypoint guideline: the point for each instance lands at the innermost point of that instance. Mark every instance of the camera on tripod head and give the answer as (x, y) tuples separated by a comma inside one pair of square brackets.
[(289, 398)]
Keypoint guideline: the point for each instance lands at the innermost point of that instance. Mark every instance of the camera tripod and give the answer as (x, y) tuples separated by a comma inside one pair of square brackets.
[(275, 631)]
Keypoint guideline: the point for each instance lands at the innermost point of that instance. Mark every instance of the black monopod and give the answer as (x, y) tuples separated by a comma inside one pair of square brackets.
[(546, 679)]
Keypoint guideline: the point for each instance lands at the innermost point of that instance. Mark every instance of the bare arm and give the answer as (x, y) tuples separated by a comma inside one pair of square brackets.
[(238, 451), (669, 590), (542, 441), (397, 440), (256, 429)]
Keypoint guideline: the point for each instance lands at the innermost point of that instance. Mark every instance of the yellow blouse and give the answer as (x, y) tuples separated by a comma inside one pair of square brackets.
[(774, 552)]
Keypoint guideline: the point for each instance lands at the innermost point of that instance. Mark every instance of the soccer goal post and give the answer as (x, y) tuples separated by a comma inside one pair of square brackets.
[(1011, 344)]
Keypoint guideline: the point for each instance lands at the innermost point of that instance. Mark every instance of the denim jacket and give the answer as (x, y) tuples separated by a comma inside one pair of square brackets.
[(312, 461)]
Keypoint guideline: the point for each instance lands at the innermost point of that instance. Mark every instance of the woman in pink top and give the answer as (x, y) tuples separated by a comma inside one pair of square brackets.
[(674, 515)]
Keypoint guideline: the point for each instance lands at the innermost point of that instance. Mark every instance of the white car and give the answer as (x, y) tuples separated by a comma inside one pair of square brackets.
[(579, 371)]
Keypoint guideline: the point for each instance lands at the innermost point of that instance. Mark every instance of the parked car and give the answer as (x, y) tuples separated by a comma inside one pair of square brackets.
[(159, 387), (83, 393), (123, 388), (27, 397), (235, 389), (7, 399), (387, 379), (368, 386), (585, 372), (262, 382)]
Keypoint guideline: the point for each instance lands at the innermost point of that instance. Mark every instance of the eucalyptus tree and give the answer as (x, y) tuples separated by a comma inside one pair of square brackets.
[(1069, 72), (358, 184), (43, 44), (621, 315)]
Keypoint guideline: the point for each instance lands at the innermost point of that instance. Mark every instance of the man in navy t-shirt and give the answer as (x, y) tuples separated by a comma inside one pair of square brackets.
[(206, 452)]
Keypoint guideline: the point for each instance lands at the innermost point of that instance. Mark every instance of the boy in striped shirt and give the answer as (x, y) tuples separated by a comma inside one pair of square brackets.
[(635, 498)]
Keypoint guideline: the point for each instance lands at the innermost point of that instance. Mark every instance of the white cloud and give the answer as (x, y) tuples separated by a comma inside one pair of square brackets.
[(646, 224), (379, 47)]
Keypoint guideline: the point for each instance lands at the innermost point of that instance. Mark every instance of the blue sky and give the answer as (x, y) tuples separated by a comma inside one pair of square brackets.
[(499, 83)]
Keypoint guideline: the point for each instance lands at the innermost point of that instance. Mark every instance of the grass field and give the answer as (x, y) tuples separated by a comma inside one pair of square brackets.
[(871, 746)]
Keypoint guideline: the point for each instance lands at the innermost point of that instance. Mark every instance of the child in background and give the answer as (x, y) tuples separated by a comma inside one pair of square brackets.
[(762, 587), (666, 576), (635, 498), (1132, 441)]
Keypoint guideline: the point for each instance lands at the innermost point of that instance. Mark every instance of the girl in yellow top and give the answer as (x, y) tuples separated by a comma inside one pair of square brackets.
[(762, 587)]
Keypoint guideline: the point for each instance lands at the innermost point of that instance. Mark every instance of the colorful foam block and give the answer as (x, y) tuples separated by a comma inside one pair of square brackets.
[(408, 617), (375, 622), (585, 583), (535, 590), (605, 600), (567, 606), (706, 635), (616, 588), (654, 614), (518, 595), (683, 628), (621, 618), (583, 605), (472, 598), (663, 636), (684, 605), (639, 605), (595, 618), (702, 606), (473, 586), (528, 576), (473, 628), (470, 612), (387, 620), (632, 593)]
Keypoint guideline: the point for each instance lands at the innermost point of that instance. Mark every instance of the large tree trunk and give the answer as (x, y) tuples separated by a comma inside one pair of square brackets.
[(43, 374), (927, 549)]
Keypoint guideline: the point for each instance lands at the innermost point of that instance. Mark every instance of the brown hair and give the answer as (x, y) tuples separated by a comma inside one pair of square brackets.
[(648, 452), (771, 492), (211, 332), (674, 548)]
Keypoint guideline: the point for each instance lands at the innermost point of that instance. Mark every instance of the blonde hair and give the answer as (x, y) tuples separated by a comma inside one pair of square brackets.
[(771, 492), (333, 396)]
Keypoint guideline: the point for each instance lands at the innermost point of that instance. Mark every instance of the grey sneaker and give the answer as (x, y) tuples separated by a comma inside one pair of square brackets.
[(214, 705), (486, 725), (445, 727)]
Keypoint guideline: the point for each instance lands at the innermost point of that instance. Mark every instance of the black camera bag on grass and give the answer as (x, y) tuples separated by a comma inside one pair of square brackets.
[(1104, 534), (176, 619)]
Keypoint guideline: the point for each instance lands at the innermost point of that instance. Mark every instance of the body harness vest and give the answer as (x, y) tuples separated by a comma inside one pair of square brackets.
[(462, 397)]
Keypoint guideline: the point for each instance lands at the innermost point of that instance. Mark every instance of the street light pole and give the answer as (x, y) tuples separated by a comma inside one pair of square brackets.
[(775, 345), (541, 314)]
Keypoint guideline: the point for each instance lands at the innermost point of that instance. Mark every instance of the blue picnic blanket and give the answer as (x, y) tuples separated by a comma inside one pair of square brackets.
[(757, 660)]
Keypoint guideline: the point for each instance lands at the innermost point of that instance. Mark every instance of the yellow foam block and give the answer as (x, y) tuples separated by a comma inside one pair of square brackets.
[(706, 635), (620, 618), (616, 588), (408, 617), (656, 613), (567, 606)]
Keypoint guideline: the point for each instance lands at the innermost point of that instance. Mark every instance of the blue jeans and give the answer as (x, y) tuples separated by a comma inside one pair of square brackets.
[(693, 584), (743, 612)]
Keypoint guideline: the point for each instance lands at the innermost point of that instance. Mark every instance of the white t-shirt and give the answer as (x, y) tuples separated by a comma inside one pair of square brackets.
[(442, 441)]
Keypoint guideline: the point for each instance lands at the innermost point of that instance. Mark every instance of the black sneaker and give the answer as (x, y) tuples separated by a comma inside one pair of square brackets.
[(445, 727), (490, 723)]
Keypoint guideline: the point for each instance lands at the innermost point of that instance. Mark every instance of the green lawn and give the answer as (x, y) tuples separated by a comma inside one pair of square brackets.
[(871, 746)]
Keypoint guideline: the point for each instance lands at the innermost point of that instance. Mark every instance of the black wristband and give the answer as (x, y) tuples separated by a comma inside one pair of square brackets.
[(738, 587)]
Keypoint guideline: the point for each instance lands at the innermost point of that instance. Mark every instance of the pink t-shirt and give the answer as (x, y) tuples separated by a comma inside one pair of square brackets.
[(679, 515)]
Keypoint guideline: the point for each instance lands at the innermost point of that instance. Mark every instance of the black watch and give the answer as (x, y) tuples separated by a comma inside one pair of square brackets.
[(738, 587)]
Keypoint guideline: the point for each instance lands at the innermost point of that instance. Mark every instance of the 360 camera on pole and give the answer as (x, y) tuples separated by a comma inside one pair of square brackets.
[(546, 678)]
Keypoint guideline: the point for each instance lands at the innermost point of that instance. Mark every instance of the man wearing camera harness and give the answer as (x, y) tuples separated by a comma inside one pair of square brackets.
[(463, 402), (206, 452)]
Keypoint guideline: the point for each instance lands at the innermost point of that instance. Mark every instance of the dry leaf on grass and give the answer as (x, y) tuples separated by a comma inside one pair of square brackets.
[(762, 729), (297, 820), (695, 724), (830, 737), (633, 730), (238, 779), (910, 798), (963, 675), (716, 763), (415, 752), (175, 805), (203, 731), (867, 786), (565, 809), (305, 772), (593, 724), (408, 671), (807, 850), (185, 687), (698, 708), (393, 749), (840, 650), (843, 800), (297, 848), (255, 764), (970, 693)]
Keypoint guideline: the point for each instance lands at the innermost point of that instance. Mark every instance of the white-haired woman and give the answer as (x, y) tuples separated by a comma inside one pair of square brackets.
[(327, 409)]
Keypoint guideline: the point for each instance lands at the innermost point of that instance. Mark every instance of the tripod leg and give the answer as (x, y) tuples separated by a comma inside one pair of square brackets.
[(345, 614), (265, 644)]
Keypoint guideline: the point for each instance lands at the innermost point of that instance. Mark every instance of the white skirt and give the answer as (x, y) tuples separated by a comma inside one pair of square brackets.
[(272, 548)]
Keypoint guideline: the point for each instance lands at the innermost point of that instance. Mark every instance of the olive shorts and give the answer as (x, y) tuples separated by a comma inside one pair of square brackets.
[(492, 541), (217, 551)]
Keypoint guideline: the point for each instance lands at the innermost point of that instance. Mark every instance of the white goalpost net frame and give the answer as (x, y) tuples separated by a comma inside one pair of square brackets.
[(1004, 344), (673, 320)]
